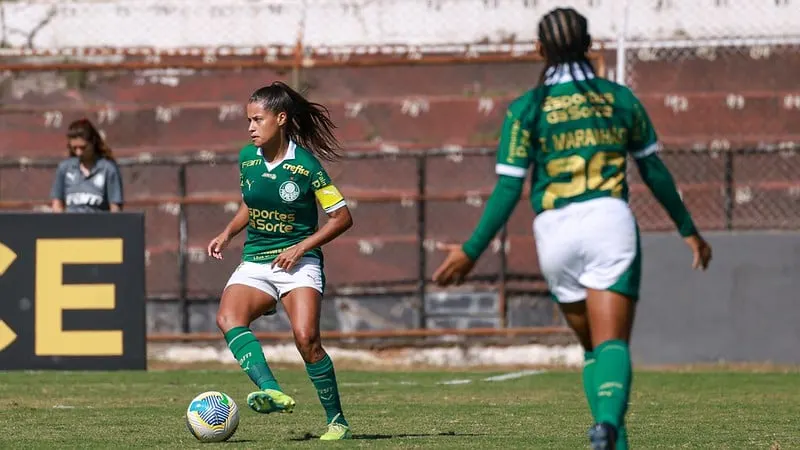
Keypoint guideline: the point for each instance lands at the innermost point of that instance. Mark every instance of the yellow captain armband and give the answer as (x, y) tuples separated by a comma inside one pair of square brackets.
[(329, 198)]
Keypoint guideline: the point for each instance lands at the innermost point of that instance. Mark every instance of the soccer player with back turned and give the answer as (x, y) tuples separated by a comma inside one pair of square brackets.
[(576, 130), (281, 182)]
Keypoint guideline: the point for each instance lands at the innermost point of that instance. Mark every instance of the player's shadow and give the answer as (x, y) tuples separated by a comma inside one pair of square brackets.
[(369, 437)]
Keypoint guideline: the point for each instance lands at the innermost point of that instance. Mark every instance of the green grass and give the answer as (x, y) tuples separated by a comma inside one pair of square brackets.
[(146, 410)]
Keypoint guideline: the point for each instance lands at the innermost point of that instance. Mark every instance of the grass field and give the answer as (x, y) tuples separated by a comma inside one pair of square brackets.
[(424, 409)]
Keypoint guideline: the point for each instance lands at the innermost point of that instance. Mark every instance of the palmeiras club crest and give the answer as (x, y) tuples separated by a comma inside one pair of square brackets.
[(289, 191)]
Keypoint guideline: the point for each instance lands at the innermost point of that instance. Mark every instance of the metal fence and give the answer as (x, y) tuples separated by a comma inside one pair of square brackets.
[(714, 71), (402, 204)]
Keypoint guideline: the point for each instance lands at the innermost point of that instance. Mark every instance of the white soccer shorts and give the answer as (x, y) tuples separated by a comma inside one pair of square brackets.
[(275, 281), (592, 244)]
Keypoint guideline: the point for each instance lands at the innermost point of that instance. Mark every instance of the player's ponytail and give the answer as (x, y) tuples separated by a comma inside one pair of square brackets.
[(564, 36), (307, 123)]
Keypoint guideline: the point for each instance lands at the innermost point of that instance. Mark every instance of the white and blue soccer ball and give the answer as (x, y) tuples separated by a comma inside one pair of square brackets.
[(212, 417)]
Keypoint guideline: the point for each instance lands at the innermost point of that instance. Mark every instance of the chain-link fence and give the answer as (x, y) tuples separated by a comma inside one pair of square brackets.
[(716, 74)]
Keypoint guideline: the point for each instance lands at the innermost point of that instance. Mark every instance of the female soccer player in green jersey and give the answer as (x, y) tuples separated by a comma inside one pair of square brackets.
[(576, 131), (282, 181)]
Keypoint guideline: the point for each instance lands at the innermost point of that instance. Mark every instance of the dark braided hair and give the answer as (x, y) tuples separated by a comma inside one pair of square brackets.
[(307, 123), (564, 36)]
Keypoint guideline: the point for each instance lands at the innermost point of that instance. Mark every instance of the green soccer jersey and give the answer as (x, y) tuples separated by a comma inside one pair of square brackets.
[(282, 200), (576, 135)]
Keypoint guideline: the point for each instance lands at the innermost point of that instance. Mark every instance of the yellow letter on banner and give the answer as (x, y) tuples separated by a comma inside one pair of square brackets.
[(53, 297)]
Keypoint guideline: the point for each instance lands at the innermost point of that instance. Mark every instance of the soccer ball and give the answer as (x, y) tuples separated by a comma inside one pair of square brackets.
[(212, 417)]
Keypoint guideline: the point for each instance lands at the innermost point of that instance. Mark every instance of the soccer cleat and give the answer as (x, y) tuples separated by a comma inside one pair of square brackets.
[(602, 436), (270, 401), (336, 431)]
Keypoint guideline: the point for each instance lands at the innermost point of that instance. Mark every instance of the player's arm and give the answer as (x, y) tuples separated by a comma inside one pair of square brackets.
[(644, 148), (57, 190), (657, 177), (339, 220), (234, 227), (114, 189), (239, 221), (513, 159), (334, 205), (660, 182), (242, 217)]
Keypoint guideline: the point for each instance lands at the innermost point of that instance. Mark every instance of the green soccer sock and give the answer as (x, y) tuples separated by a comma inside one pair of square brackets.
[(588, 382), (323, 376), (612, 381), (247, 351), (622, 438), (591, 398)]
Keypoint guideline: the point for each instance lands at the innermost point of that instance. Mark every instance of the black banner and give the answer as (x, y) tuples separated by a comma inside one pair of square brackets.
[(72, 291)]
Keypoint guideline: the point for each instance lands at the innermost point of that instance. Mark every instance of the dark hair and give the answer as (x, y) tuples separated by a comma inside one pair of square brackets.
[(307, 123), (84, 129), (564, 35)]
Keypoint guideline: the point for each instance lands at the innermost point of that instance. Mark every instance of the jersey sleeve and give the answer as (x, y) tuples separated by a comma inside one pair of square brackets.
[(114, 185), (644, 141), (328, 196), (241, 171), (57, 191), (644, 147), (514, 150)]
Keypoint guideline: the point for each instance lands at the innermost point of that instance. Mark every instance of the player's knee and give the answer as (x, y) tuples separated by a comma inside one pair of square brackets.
[(308, 343), (227, 319)]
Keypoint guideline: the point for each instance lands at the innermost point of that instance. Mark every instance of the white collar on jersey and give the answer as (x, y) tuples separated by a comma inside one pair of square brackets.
[(561, 73), (290, 151)]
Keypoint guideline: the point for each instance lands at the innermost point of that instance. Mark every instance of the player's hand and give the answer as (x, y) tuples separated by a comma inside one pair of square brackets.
[(289, 257), (455, 267), (701, 251), (218, 244)]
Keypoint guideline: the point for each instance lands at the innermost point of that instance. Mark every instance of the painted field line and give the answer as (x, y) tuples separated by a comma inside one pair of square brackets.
[(514, 375), (496, 378), (455, 382), (377, 383)]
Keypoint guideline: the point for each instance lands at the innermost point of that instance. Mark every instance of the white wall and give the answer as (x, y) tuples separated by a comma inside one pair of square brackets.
[(247, 23)]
